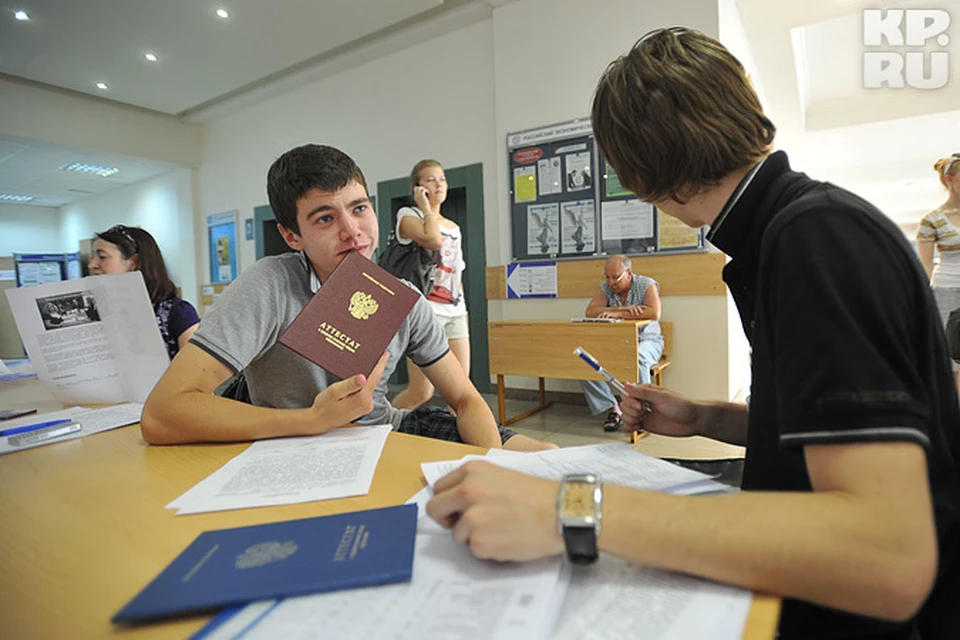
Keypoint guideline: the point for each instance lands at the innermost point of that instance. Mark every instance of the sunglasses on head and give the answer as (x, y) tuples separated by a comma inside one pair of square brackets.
[(125, 232)]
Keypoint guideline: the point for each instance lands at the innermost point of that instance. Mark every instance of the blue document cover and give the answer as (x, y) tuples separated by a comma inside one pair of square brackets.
[(293, 558)]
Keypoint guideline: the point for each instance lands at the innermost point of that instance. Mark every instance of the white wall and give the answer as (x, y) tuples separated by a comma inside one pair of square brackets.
[(430, 100), (27, 229), (163, 206)]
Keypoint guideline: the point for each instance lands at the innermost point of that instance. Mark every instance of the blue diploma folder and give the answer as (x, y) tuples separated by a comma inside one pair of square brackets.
[(232, 567)]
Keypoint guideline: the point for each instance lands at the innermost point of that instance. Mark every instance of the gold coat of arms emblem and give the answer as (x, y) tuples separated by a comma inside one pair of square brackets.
[(362, 305)]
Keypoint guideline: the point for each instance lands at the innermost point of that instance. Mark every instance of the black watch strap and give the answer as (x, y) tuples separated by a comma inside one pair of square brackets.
[(581, 544)]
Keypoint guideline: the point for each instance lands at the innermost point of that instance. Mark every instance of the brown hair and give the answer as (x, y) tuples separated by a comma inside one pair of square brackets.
[(676, 114), (949, 166), (303, 169), (420, 166), (134, 241)]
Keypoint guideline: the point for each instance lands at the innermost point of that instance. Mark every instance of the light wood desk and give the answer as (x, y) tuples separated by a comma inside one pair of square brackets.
[(84, 528), (544, 349)]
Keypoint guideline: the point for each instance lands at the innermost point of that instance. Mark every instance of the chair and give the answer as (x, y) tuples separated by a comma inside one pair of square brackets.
[(656, 371)]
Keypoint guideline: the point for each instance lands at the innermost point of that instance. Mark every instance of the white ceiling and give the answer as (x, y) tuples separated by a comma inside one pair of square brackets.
[(882, 143), (32, 168)]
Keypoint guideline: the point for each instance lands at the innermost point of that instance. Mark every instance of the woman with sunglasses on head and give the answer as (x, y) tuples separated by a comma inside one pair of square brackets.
[(120, 249), (940, 228)]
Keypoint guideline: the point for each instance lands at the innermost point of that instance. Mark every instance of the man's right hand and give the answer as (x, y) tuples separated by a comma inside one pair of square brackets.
[(659, 410), (343, 402)]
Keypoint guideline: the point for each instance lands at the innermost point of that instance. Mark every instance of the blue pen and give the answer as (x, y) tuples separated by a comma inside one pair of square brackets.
[(33, 427), (590, 360)]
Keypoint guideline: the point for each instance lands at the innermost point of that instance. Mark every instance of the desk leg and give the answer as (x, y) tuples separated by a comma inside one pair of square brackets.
[(501, 400), (504, 421)]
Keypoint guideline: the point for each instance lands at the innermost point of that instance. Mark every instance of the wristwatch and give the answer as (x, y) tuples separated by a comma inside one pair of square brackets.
[(579, 510)]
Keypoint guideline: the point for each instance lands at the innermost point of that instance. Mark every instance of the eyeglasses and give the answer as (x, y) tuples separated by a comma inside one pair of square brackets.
[(125, 232), (614, 279)]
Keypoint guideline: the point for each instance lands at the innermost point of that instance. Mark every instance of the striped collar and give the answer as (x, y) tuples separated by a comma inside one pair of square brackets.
[(734, 198)]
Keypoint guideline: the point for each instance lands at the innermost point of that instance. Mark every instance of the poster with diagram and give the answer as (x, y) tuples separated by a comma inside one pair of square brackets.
[(578, 226), (543, 229)]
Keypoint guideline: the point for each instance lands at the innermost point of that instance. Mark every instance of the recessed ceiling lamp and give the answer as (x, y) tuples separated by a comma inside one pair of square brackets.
[(103, 172), (152, 57), (223, 13), (9, 197), (21, 15), (102, 86)]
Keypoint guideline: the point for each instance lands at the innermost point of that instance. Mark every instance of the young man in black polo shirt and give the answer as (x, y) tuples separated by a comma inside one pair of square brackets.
[(851, 494)]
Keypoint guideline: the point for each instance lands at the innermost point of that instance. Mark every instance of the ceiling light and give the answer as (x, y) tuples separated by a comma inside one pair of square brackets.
[(21, 15), (104, 172), (152, 57), (9, 197), (223, 13), (102, 86)]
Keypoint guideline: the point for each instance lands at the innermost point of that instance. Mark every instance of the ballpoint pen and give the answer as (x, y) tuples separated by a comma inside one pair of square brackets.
[(42, 435), (616, 384), (592, 362), (34, 427)]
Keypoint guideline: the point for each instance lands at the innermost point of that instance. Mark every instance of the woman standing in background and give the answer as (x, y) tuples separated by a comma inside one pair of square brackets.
[(941, 228), (425, 225), (120, 249)]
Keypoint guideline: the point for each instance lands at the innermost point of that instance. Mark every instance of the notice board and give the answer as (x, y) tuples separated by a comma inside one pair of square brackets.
[(567, 202)]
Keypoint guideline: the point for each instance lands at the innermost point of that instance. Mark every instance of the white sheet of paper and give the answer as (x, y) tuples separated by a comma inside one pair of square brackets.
[(452, 596), (92, 341), (614, 599), (616, 462), (338, 464), (91, 421)]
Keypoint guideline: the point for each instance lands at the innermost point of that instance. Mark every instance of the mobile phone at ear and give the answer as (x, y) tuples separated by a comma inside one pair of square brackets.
[(9, 414)]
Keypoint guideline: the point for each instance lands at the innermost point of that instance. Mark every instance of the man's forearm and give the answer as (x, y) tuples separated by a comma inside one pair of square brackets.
[(476, 423), (201, 417), (726, 421)]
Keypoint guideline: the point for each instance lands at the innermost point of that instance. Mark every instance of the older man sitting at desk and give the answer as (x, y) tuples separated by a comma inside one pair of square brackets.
[(626, 296)]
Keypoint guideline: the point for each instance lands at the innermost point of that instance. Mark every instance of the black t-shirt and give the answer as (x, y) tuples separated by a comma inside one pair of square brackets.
[(847, 347)]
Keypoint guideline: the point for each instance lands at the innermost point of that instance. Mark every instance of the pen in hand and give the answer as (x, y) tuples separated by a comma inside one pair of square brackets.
[(592, 362)]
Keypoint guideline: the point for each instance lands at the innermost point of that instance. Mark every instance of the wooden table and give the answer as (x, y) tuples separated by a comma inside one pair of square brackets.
[(544, 349), (84, 528)]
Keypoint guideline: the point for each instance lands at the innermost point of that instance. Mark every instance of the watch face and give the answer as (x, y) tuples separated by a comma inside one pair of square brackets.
[(577, 500)]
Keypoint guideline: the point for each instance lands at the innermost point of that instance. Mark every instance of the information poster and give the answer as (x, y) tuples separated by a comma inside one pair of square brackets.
[(578, 226), (543, 228), (674, 235), (222, 233), (532, 280)]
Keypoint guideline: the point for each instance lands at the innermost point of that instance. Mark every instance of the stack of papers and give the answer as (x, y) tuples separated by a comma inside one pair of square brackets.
[(455, 595), (616, 462), (91, 421), (337, 464)]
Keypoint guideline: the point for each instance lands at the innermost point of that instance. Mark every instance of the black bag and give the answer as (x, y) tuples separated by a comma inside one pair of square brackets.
[(409, 261), (953, 335)]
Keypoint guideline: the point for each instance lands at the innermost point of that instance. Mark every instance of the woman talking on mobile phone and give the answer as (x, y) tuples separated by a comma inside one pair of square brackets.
[(425, 225)]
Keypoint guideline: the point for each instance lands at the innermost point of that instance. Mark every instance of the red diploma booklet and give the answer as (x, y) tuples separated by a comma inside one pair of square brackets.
[(352, 318)]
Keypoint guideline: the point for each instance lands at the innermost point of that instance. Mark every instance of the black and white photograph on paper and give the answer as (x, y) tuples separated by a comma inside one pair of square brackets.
[(68, 310), (579, 177)]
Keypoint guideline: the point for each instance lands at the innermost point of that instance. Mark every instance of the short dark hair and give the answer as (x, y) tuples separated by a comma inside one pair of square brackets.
[(678, 113), (300, 170), (134, 241)]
